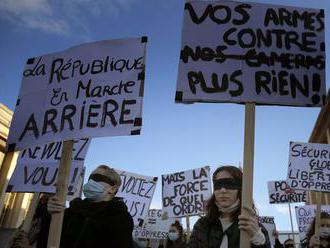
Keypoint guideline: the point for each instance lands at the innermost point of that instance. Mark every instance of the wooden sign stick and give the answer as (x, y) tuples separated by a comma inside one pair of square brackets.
[(247, 184), (291, 220), (55, 229), (32, 209), (318, 213)]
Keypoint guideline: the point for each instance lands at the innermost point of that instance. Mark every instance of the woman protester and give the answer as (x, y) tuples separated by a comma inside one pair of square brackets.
[(175, 237), (221, 226), (101, 219), (323, 240)]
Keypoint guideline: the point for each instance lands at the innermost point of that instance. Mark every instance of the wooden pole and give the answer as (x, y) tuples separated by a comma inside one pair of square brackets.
[(188, 224), (318, 213), (291, 221), (55, 228), (247, 188), (32, 209)]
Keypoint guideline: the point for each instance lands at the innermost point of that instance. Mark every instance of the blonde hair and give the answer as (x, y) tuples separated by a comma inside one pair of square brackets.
[(109, 173)]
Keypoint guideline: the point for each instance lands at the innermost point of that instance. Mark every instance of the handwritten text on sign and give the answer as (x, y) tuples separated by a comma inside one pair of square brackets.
[(91, 90), (280, 192), (37, 167), (185, 193), (137, 191), (269, 224), (305, 216), (309, 166), (154, 227), (248, 52)]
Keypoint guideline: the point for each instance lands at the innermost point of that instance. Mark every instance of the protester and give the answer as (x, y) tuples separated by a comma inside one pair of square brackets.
[(289, 243), (223, 221), (100, 220), (322, 241), (175, 237), (38, 234)]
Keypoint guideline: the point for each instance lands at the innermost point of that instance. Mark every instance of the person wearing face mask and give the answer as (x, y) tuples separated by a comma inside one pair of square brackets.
[(322, 241), (289, 243), (142, 243), (221, 226), (101, 219), (175, 237)]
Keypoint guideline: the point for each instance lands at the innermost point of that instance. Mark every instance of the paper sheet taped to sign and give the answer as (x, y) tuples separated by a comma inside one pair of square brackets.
[(91, 90), (250, 52)]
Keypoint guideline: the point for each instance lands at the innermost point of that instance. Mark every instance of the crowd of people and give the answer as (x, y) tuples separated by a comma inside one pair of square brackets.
[(102, 219)]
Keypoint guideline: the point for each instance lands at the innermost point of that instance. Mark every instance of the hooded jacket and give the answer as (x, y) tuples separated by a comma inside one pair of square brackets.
[(207, 234), (97, 225)]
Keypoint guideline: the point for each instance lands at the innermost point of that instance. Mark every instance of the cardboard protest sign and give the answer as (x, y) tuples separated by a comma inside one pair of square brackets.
[(305, 216), (309, 166), (137, 192), (269, 223), (91, 90), (251, 52), (280, 192), (155, 226), (185, 193), (37, 168)]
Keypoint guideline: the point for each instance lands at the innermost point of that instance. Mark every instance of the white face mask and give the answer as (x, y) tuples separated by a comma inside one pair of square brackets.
[(173, 236), (229, 209), (143, 243), (324, 232)]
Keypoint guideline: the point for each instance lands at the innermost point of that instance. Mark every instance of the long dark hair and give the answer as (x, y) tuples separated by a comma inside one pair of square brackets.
[(311, 230), (212, 211)]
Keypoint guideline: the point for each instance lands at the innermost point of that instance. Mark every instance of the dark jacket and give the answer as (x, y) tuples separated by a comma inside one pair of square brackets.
[(207, 234), (97, 224), (176, 244), (278, 244)]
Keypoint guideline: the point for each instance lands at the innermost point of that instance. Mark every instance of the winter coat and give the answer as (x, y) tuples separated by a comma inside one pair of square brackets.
[(176, 244), (90, 224), (207, 234)]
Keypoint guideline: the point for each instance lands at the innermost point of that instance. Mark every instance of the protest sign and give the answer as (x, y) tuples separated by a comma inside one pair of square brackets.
[(37, 168), (91, 90), (250, 52), (155, 226), (305, 216), (309, 166), (280, 192), (137, 192), (185, 193), (269, 223)]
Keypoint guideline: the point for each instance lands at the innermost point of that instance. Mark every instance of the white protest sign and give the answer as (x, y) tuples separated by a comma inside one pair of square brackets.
[(37, 168), (185, 193), (137, 192), (280, 192), (251, 52), (305, 216), (154, 227), (309, 166), (269, 223), (91, 90)]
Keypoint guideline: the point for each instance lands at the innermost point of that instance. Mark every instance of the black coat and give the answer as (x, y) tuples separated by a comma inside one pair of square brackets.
[(207, 234), (97, 224)]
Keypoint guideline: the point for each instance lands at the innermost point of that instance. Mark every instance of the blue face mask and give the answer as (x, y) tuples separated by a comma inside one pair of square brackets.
[(173, 236), (93, 190)]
